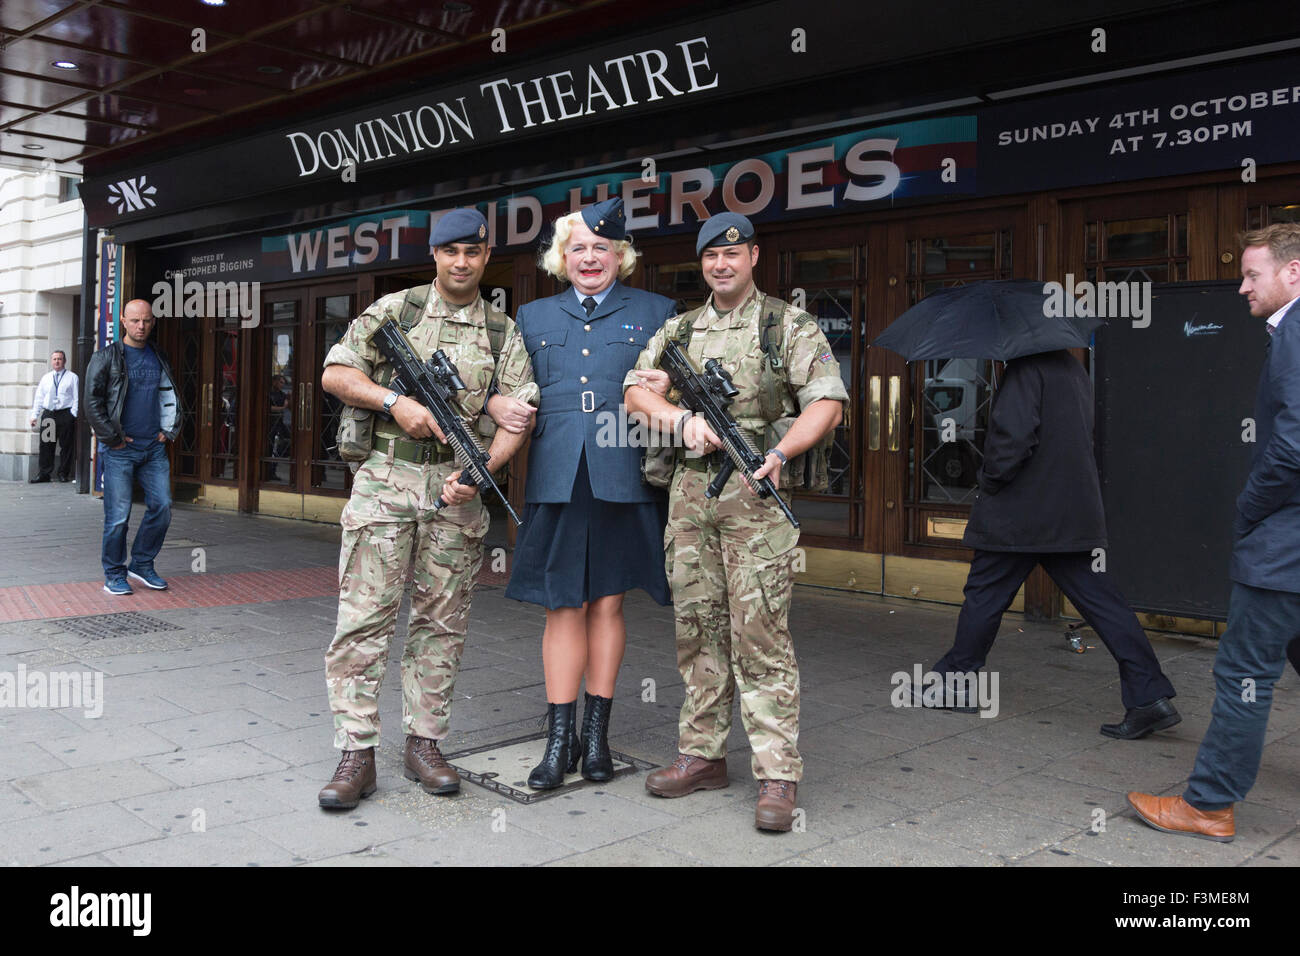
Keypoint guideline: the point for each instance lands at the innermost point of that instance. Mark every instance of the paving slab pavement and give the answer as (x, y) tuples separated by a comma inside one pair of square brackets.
[(215, 733)]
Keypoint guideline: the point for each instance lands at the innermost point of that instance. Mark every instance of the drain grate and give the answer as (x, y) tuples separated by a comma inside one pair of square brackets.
[(99, 626), (503, 768)]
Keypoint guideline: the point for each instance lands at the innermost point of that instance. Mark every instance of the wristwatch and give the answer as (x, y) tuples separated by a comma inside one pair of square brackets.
[(679, 427), (390, 401), (779, 454)]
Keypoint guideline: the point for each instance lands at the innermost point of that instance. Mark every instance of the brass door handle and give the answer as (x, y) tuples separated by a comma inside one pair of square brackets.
[(206, 418), (873, 414), (895, 411), (305, 418)]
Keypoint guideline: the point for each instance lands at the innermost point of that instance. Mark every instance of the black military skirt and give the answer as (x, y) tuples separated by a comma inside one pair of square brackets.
[(567, 554)]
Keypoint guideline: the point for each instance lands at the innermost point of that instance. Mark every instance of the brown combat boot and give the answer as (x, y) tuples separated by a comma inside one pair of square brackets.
[(425, 763), (354, 779), (686, 775), (1176, 815), (775, 808)]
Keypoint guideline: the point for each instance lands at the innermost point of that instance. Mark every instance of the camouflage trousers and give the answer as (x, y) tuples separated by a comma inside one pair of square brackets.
[(389, 525), (729, 561)]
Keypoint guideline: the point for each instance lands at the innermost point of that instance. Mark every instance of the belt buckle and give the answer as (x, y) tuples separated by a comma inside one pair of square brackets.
[(589, 397)]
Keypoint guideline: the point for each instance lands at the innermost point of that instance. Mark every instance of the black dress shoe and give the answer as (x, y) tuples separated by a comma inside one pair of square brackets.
[(65, 478), (1140, 721), (38, 480), (918, 698)]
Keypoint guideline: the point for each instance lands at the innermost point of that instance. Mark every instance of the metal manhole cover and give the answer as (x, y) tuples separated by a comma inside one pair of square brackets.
[(504, 767), (99, 626)]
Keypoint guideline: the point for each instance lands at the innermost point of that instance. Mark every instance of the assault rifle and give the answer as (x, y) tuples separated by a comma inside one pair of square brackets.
[(434, 384), (709, 394)]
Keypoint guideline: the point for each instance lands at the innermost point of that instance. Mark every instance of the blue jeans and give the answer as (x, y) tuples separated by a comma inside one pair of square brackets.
[(1261, 623), (146, 462)]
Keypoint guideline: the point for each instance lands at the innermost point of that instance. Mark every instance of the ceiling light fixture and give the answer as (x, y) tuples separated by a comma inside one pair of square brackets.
[(64, 65), (32, 146), (213, 3)]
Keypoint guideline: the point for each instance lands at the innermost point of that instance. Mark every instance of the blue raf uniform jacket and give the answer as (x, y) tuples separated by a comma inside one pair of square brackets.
[(1267, 550), (581, 392)]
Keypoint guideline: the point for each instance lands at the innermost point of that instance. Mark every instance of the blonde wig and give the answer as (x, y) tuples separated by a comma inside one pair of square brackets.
[(552, 258)]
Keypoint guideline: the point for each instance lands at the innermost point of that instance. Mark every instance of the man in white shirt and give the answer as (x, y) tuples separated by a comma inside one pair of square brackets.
[(1264, 611), (55, 407)]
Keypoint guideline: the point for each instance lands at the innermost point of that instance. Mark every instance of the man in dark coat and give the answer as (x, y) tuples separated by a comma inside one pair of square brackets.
[(1264, 610), (1039, 502)]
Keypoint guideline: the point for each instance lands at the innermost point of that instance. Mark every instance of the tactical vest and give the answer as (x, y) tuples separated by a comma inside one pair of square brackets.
[(357, 429), (806, 472)]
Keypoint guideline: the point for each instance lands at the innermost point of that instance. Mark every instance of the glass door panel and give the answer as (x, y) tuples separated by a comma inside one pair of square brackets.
[(279, 380), (328, 471), (680, 281), (224, 405), (1148, 249), (829, 284), (952, 395), (189, 375)]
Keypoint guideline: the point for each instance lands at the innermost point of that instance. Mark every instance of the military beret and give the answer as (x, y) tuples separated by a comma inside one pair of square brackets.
[(606, 219), (459, 225), (724, 229)]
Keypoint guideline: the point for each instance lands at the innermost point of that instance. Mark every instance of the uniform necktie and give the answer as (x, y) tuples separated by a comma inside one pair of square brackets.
[(589, 304)]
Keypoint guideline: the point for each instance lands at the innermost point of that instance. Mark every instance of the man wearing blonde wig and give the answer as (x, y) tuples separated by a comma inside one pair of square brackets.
[(593, 530)]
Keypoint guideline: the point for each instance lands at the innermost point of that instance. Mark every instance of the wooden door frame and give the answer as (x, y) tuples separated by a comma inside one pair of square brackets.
[(893, 530)]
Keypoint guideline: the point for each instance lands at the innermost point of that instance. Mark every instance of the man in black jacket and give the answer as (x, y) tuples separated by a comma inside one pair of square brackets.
[(1039, 502), (131, 407)]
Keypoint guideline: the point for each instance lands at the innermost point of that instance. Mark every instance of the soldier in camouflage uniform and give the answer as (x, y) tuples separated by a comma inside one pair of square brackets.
[(389, 521), (729, 559)]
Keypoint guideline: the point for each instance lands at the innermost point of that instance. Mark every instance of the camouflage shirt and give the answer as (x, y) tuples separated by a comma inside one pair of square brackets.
[(810, 366), (461, 332)]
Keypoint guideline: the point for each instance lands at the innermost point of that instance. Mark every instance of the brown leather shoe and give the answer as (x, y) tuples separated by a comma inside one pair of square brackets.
[(425, 763), (1176, 815), (686, 775), (354, 779), (775, 808)]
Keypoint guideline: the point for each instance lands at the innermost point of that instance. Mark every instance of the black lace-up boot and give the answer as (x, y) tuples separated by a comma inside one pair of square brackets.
[(596, 762), (562, 748)]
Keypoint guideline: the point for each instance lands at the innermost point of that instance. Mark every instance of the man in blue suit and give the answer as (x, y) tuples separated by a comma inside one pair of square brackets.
[(592, 529), (1264, 610)]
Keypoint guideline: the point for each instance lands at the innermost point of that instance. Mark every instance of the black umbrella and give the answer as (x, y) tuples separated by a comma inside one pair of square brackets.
[(994, 319)]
